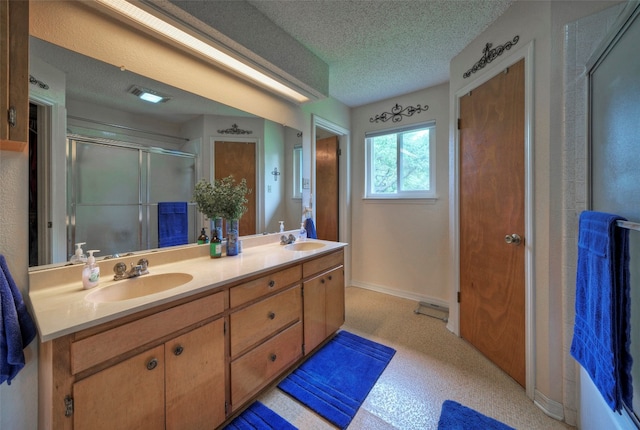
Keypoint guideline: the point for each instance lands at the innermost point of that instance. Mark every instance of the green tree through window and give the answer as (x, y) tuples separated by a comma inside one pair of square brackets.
[(398, 163)]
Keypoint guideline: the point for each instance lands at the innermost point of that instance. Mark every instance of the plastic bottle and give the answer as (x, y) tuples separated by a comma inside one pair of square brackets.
[(79, 256), (281, 226), (303, 233), (91, 271), (215, 248), (203, 238)]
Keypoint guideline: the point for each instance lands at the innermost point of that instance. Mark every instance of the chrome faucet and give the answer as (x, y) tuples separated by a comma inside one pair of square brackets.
[(284, 240), (121, 272)]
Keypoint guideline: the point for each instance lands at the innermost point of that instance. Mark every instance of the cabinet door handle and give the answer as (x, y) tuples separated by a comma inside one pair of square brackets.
[(330, 277), (178, 350), (272, 283), (273, 357), (152, 364), (322, 281), (271, 315)]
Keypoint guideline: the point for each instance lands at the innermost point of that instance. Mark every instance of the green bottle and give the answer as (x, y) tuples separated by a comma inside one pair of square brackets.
[(215, 248)]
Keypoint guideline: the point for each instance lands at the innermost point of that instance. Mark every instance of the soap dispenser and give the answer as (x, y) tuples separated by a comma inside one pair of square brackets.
[(281, 226), (79, 256), (303, 233), (91, 271)]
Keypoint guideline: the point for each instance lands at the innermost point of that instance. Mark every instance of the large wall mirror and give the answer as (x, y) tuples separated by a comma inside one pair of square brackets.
[(121, 156)]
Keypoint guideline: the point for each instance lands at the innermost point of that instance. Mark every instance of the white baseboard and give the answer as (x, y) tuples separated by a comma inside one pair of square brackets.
[(548, 406), (401, 294)]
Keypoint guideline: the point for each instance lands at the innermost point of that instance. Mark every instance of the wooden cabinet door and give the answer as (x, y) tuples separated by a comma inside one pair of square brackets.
[(195, 378), (128, 395), (334, 297), (14, 69), (314, 313)]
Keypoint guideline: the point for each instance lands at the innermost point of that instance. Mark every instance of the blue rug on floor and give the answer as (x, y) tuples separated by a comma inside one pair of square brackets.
[(336, 379), (259, 417), (455, 416)]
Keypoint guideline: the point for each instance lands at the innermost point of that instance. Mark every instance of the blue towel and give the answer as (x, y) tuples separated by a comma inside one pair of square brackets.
[(310, 228), (17, 330), (173, 224), (601, 334)]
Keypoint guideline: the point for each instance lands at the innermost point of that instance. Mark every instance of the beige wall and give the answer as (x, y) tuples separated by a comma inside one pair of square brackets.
[(398, 247)]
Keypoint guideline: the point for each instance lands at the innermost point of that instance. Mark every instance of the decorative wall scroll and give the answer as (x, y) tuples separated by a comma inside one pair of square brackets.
[(34, 81), (235, 130), (490, 54), (398, 113)]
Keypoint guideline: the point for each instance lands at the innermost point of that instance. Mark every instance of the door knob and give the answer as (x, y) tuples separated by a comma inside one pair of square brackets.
[(513, 239)]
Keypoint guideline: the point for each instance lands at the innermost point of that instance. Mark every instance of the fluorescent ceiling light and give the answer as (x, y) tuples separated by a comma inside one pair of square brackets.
[(193, 43), (148, 95)]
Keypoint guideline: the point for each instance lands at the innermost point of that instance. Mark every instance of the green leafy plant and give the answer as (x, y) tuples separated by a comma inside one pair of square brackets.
[(222, 199)]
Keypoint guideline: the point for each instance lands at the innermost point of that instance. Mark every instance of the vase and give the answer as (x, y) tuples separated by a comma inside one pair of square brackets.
[(232, 237), (216, 225)]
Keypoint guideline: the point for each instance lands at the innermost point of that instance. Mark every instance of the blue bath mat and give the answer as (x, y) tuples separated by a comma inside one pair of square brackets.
[(337, 378), (259, 417), (455, 416)]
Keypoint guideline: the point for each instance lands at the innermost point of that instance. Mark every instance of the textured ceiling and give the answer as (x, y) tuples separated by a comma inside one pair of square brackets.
[(378, 49), (375, 50)]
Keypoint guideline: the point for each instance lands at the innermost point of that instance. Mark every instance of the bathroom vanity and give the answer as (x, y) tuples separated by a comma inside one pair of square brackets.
[(194, 351)]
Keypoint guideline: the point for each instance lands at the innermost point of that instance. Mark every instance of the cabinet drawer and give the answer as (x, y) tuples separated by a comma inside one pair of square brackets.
[(101, 347), (323, 263), (259, 321), (257, 288), (259, 367)]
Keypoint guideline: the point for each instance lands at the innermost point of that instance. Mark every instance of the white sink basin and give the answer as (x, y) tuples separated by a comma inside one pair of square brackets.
[(304, 246), (138, 287)]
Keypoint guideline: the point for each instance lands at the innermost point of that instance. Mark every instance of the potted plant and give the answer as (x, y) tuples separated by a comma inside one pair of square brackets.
[(223, 199)]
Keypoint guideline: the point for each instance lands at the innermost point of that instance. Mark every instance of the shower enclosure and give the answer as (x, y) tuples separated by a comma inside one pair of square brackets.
[(113, 190)]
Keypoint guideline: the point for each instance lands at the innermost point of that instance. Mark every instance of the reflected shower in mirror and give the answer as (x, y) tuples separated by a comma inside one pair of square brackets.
[(124, 155)]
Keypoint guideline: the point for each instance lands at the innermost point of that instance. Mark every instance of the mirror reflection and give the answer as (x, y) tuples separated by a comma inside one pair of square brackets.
[(124, 155)]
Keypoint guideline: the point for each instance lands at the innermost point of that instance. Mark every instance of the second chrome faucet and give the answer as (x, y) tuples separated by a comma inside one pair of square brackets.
[(121, 272)]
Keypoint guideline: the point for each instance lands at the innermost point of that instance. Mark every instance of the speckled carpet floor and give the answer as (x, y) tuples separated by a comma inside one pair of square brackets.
[(431, 365)]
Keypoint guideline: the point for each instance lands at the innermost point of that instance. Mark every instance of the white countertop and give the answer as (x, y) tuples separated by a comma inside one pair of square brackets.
[(61, 307)]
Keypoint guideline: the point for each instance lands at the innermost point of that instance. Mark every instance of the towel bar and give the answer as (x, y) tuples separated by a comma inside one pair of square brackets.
[(629, 225)]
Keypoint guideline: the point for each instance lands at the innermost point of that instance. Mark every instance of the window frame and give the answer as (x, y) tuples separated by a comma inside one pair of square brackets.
[(429, 194), (297, 173)]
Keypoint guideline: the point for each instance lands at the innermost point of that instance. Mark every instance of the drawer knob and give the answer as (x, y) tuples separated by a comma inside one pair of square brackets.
[(272, 283), (330, 277), (272, 357), (271, 315), (322, 281), (152, 364), (178, 350)]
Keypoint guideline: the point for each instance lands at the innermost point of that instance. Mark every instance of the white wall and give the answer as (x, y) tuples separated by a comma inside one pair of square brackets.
[(402, 247)]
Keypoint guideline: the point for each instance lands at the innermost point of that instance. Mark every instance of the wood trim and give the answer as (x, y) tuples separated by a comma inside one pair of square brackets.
[(12, 145)]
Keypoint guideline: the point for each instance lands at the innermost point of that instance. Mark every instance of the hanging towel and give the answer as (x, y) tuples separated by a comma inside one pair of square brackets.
[(310, 228), (601, 334), (17, 329), (173, 224)]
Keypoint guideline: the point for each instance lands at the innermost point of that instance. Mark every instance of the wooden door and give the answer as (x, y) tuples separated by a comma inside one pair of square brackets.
[(195, 378), (327, 188), (14, 69), (492, 296), (239, 159), (129, 395)]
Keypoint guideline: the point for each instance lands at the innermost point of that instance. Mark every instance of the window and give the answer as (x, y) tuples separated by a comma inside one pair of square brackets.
[(398, 163), (297, 172)]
